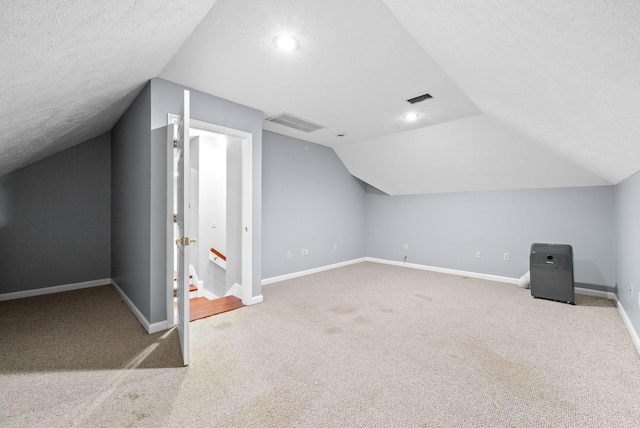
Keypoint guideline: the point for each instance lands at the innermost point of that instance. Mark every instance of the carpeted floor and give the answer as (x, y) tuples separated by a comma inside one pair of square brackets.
[(367, 345)]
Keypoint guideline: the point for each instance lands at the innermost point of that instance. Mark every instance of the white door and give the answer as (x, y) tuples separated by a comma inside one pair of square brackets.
[(183, 220)]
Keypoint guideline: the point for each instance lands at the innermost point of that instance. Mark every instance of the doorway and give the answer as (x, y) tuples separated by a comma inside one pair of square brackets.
[(220, 212)]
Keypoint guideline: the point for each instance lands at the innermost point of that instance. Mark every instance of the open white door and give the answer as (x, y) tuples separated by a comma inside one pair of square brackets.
[(183, 222)]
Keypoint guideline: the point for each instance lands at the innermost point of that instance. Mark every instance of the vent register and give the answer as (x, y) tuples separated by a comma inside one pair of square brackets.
[(419, 98), (295, 122)]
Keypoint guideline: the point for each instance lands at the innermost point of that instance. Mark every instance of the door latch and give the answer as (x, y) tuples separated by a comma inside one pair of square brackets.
[(185, 241)]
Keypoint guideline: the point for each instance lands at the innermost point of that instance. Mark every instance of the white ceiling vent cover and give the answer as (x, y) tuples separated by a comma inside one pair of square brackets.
[(295, 122)]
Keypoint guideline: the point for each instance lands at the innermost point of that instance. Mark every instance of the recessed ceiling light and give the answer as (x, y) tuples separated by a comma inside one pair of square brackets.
[(410, 117), (286, 43)]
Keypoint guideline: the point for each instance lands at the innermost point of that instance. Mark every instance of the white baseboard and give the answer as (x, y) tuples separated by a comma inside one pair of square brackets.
[(207, 294), (254, 300), (595, 293), (54, 289), (195, 281), (632, 331), (445, 270), (149, 327), (310, 271), (505, 279), (235, 290)]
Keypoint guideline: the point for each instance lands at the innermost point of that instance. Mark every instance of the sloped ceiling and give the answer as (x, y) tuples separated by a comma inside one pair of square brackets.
[(526, 94), (354, 70), (70, 69), (565, 73)]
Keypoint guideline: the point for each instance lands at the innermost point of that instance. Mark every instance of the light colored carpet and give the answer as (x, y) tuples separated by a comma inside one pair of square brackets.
[(366, 345)]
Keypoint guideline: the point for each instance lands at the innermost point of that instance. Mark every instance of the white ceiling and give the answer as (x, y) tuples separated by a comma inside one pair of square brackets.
[(526, 94)]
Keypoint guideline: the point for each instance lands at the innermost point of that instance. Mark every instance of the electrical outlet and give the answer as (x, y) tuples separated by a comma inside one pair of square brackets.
[(406, 247), (302, 252), (288, 254), (505, 257), (335, 247), (306, 251), (477, 254)]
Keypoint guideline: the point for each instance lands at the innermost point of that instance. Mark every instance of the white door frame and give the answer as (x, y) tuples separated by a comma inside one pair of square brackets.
[(247, 210)]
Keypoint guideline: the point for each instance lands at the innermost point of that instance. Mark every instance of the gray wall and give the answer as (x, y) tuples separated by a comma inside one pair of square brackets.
[(627, 215), (166, 97), (310, 201), (55, 225), (130, 202), (445, 230)]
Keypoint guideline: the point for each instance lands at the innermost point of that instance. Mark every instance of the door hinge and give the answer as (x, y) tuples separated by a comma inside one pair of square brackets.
[(175, 143), (185, 241), (175, 218)]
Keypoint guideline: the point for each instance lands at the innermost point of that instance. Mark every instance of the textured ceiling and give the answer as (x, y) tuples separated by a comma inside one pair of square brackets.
[(526, 94), (70, 69), (564, 73), (354, 70)]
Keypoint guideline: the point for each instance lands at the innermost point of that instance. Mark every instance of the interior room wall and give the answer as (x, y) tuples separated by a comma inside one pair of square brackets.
[(627, 239), (310, 202), (130, 202), (166, 97), (446, 230), (55, 219)]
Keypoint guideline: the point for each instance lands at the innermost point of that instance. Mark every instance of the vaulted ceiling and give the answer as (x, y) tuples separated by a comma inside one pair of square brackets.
[(525, 94)]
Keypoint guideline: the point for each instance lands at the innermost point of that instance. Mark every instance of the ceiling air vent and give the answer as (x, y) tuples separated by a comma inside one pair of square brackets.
[(292, 121), (419, 99)]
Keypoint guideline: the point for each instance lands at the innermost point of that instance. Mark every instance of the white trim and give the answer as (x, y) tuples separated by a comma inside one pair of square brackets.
[(595, 293), (208, 294), (445, 270), (247, 201), (254, 300), (310, 271), (159, 326), (195, 281), (217, 260), (627, 322), (150, 328), (247, 219), (171, 132), (235, 290), (505, 279), (53, 289)]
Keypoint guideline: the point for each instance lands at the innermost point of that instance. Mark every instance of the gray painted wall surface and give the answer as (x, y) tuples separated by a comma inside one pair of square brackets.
[(627, 215), (55, 220), (166, 97), (130, 201), (445, 230), (309, 201)]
